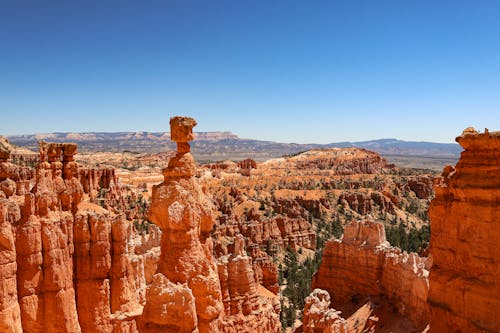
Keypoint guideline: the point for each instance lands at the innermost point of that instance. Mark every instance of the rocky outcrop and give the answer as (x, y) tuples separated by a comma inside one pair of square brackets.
[(190, 291), (266, 270), (359, 202), (66, 265), (105, 280), (10, 313), (185, 215), (248, 306), (296, 232), (44, 244), (464, 285), (319, 317), (246, 166), (344, 161), (14, 179), (95, 179), (363, 265), (422, 186)]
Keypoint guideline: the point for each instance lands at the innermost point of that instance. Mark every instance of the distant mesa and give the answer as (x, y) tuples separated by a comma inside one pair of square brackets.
[(221, 146), (110, 136)]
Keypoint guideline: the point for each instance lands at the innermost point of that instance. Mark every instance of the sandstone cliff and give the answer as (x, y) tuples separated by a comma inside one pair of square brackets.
[(319, 317), (363, 265), (67, 266), (248, 306), (464, 281), (284, 202)]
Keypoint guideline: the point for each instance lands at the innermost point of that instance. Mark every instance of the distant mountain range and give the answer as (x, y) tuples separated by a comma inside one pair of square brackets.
[(226, 145)]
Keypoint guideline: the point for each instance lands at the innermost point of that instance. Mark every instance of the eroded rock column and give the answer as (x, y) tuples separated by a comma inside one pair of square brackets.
[(464, 282), (187, 273)]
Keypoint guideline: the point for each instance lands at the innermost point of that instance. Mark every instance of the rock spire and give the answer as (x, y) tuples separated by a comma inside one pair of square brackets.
[(186, 282)]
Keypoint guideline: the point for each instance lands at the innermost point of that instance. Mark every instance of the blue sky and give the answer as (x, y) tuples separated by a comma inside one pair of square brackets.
[(289, 71)]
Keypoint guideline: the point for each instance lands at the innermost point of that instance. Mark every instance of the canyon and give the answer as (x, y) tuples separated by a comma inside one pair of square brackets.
[(214, 146), (87, 246)]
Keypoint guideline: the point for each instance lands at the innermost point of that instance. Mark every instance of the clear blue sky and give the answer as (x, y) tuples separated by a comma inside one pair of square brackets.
[(290, 71)]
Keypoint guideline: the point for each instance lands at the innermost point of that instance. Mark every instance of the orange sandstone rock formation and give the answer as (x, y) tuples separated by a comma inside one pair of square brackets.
[(186, 294), (318, 317), (249, 307), (284, 201), (186, 267), (363, 265), (10, 313), (464, 281), (66, 265)]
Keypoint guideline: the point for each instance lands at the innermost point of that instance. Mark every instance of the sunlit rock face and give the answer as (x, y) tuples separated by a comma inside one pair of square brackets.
[(464, 281), (187, 270), (363, 265), (66, 265)]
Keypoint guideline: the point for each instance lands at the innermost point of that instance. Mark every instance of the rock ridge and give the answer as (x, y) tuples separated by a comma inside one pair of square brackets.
[(464, 285)]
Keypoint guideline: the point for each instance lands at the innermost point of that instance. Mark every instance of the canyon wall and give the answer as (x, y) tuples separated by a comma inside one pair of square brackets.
[(319, 317), (73, 261), (67, 265), (464, 281), (363, 266)]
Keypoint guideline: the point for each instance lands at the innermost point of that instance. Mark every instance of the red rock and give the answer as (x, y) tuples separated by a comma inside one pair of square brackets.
[(94, 179), (364, 265), (422, 186), (10, 313), (347, 161), (185, 215), (47, 267), (319, 317), (359, 202), (4, 149), (464, 286), (266, 271), (92, 239), (247, 164), (248, 306), (170, 307)]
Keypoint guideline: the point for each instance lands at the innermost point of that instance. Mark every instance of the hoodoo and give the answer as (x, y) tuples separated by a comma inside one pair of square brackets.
[(464, 282), (185, 294)]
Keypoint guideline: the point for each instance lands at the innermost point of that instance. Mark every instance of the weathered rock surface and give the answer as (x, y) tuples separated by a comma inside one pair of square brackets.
[(464, 281), (248, 306), (105, 280), (284, 201), (364, 266), (67, 266), (319, 317), (10, 313), (187, 269), (351, 161), (184, 213)]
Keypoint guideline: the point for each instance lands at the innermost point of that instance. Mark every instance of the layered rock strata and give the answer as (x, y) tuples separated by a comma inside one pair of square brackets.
[(66, 265), (248, 306), (10, 312), (186, 266), (319, 317), (363, 265), (464, 281), (186, 294)]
